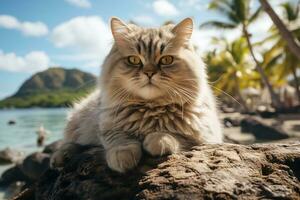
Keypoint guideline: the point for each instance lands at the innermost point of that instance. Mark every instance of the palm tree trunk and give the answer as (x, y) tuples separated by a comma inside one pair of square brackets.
[(241, 98), (296, 82), (285, 33), (275, 99)]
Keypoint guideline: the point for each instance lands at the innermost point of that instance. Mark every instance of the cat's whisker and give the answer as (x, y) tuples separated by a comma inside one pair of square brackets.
[(177, 87), (170, 95), (181, 98), (217, 80), (190, 80), (220, 90), (189, 94), (182, 108)]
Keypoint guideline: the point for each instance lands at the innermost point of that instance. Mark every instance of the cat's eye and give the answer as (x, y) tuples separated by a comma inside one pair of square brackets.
[(166, 60), (134, 60)]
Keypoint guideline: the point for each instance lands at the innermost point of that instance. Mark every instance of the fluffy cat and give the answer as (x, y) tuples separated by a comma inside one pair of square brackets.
[(153, 95)]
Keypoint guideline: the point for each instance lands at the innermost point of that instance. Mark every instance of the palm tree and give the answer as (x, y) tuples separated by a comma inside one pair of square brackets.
[(232, 70), (280, 58), (238, 14), (283, 30), (279, 63)]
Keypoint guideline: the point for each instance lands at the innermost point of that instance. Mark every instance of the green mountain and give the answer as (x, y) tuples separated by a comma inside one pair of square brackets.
[(54, 87)]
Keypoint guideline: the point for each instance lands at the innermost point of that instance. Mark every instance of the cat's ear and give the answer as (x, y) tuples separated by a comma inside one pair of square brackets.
[(120, 31), (183, 30)]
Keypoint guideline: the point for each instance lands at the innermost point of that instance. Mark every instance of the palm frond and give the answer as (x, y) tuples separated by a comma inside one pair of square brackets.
[(291, 11), (221, 6), (255, 15), (232, 16), (272, 62), (217, 24), (241, 8), (270, 38), (216, 4), (224, 7)]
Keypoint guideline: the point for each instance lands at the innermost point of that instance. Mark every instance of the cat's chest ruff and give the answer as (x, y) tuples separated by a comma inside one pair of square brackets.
[(144, 119)]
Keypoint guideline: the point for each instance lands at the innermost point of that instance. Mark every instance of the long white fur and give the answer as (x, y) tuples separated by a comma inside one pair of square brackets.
[(126, 116)]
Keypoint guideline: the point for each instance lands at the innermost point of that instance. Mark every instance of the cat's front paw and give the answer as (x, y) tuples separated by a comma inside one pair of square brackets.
[(158, 144), (124, 157)]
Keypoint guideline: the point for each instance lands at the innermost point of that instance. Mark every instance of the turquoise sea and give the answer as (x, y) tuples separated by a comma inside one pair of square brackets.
[(22, 135)]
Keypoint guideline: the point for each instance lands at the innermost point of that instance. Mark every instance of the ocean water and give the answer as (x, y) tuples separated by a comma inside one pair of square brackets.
[(22, 135)]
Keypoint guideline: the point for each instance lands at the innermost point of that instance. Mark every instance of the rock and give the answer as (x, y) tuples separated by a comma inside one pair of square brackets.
[(11, 122), (231, 122), (50, 148), (268, 114), (35, 165), (262, 130), (264, 113), (13, 189), (231, 119), (26, 194), (29, 171), (12, 175), (227, 109), (210, 171), (293, 109), (24, 174), (234, 135), (8, 156)]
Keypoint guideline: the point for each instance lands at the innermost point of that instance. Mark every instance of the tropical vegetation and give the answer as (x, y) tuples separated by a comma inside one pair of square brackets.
[(235, 66), (55, 87)]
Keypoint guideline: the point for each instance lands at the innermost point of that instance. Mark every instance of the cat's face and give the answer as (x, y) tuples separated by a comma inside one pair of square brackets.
[(152, 63)]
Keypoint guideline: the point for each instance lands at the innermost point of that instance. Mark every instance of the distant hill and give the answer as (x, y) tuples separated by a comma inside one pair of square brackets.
[(54, 87)]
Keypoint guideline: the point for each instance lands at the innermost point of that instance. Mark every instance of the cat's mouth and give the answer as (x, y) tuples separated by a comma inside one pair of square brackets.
[(150, 84)]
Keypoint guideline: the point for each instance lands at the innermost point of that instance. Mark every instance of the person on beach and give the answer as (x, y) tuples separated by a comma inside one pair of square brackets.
[(42, 133)]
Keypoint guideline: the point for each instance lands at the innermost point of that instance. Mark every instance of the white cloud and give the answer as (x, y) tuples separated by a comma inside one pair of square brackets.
[(164, 8), (144, 20), (9, 22), (88, 37), (34, 29), (31, 62), (193, 4), (202, 38), (92, 63), (80, 3), (74, 57)]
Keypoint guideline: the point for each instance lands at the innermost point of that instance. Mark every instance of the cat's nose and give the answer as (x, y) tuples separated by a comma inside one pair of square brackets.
[(149, 74)]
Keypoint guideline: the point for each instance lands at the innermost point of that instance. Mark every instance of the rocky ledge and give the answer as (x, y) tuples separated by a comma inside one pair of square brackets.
[(210, 171)]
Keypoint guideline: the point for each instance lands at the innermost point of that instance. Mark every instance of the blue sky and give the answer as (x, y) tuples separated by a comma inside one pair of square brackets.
[(35, 34)]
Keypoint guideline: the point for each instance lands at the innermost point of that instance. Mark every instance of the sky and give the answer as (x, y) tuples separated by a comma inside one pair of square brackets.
[(36, 35)]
